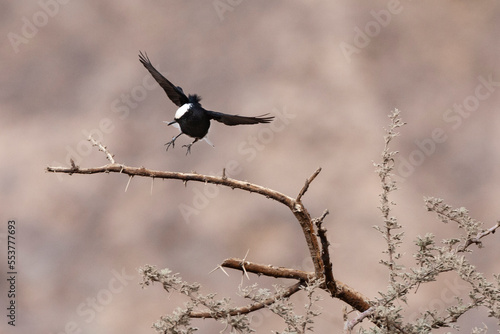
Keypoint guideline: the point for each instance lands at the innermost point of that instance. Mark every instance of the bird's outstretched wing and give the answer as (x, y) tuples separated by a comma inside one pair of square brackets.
[(236, 119), (175, 94)]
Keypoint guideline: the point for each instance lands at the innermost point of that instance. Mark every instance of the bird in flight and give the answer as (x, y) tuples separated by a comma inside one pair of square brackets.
[(192, 118)]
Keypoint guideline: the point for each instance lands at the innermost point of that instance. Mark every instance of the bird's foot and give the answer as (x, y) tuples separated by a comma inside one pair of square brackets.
[(188, 148), (171, 143)]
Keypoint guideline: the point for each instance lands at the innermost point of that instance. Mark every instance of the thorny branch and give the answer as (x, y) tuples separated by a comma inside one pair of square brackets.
[(295, 205), (344, 292), (102, 148), (306, 185), (352, 297), (325, 255), (382, 311), (266, 270)]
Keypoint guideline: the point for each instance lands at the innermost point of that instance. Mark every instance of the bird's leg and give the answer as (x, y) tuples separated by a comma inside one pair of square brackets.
[(189, 146), (172, 142)]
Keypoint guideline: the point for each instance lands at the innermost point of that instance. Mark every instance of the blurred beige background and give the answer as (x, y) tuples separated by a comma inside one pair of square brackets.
[(332, 70)]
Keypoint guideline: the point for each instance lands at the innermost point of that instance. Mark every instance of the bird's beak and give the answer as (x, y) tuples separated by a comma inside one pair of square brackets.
[(170, 123)]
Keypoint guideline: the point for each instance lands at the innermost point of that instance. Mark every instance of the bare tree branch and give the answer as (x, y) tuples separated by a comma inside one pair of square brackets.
[(102, 148), (344, 292), (295, 205), (144, 172), (336, 288), (267, 270), (325, 255), (306, 185)]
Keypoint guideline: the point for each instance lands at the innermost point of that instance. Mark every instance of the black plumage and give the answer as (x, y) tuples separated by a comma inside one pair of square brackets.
[(192, 118)]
